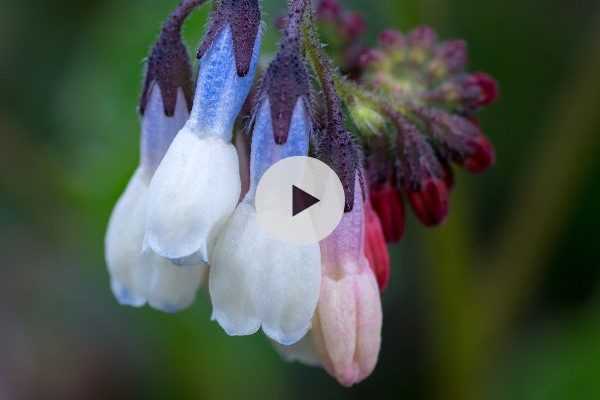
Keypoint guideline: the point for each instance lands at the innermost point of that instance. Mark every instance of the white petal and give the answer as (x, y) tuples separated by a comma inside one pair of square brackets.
[(123, 243), (138, 277), (232, 281), (303, 352), (256, 280), (168, 287), (194, 190)]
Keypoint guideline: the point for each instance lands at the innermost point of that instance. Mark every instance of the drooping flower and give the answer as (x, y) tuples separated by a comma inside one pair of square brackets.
[(138, 275), (197, 185), (256, 280), (347, 326), (345, 337)]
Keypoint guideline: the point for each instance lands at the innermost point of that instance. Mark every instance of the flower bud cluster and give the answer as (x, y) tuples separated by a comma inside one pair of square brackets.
[(419, 67), (430, 100), (188, 215)]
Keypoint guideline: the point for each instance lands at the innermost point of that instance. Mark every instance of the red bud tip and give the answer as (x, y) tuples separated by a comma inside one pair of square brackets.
[(430, 205), (388, 205), (391, 38), (488, 88), (353, 25), (329, 10), (482, 157), (376, 249)]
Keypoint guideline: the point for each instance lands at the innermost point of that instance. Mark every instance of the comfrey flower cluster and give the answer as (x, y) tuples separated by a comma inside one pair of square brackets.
[(390, 129)]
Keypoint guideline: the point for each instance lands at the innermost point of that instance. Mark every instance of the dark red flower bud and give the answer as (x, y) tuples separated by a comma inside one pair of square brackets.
[(422, 174), (453, 54), (353, 25), (423, 36), (376, 249), (430, 203), (391, 38), (482, 155), (387, 203), (329, 10), (462, 139), (487, 88)]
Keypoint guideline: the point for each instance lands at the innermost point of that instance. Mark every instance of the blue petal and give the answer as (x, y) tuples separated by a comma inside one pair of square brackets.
[(220, 91), (265, 152)]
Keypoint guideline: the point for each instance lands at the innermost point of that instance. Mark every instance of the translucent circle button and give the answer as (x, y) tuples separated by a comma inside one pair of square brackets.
[(299, 200)]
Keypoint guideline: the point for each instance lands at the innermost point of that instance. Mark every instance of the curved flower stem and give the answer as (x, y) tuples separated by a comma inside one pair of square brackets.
[(544, 195), (322, 65), (175, 21)]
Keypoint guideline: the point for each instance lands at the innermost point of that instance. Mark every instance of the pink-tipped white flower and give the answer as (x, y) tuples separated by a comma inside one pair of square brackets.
[(347, 325), (197, 185)]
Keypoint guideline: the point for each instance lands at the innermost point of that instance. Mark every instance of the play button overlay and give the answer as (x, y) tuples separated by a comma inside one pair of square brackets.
[(299, 200)]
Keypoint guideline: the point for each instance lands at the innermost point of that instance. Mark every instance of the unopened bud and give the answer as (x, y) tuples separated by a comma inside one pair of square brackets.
[(391, 38), (422, 175), (376, 249), (387, 203), (462, 139), (369, 57), (368, 120), (450, 58), (430, 202), (329, 10), (353, 25), (487, 88), (423, 37), (482, 155)]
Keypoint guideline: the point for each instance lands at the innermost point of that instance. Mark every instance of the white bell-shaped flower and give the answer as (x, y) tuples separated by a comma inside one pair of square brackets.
[(197, 185), (258, 281), (138, 275)]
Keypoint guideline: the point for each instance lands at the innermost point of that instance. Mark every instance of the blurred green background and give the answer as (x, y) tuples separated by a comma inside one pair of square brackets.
[(503, 302)]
